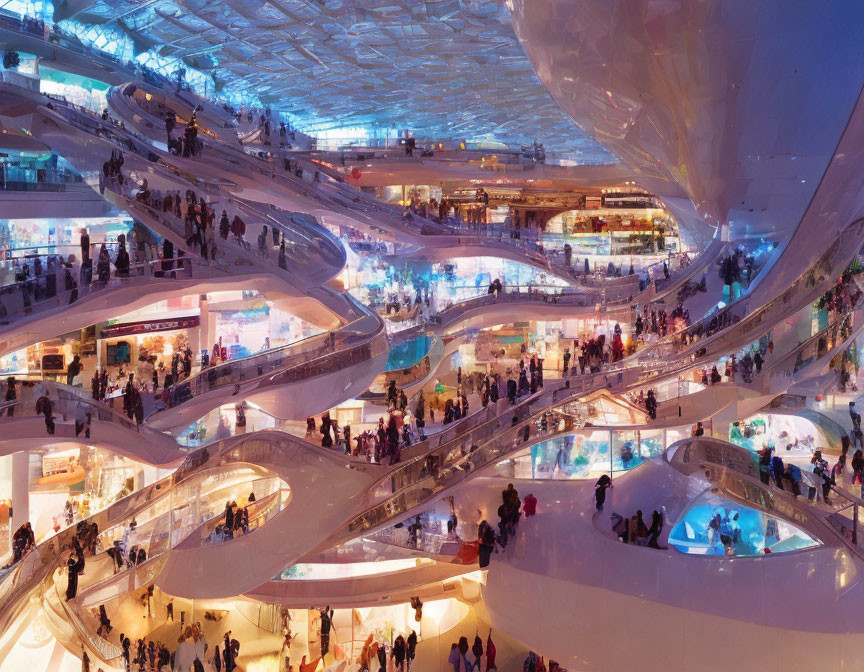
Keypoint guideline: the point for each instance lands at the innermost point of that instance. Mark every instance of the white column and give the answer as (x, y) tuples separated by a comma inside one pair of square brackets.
[(207, 328), (20, 489)]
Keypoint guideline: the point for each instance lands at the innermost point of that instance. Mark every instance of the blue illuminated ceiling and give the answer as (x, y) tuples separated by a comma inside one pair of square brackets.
[(443, 68)]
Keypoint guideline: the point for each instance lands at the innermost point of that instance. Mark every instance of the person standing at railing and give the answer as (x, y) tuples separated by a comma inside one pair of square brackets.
[(821, 475), (129, 397), (121, 263), (838, 471), (75, 566), (85, 659), (856, 423), (23, 541), (103, 268), (73, 370), (85, 244), (83, 418), (44, 408), (139, 411), (651, 405), (103, 384)]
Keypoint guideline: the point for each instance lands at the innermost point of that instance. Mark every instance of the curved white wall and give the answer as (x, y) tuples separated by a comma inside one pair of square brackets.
[(572, 593), (723, 101)]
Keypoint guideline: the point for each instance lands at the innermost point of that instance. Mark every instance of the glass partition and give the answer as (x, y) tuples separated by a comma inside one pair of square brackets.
[(631, 448), (714, 525), (585, 454)]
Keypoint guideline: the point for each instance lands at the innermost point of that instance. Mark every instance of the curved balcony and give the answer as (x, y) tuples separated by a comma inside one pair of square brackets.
[(425, 580), (330, 366), (666, 589), (745, 320), (71, 408), (172, 509)]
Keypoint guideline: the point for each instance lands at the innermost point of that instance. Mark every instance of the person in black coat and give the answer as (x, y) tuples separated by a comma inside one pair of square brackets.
[(228, 653), (398, 653), (486, 537), (326, 624), (511, 390), (411, 648), (600, 488), (75, 565)]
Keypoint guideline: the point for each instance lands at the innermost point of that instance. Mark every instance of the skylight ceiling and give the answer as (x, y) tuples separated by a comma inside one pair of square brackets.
[(444, 68)]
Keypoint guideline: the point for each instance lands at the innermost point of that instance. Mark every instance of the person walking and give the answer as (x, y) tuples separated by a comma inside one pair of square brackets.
[(600, 487)]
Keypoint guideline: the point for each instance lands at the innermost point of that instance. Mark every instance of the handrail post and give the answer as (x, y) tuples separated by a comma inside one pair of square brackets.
[(855, 523)]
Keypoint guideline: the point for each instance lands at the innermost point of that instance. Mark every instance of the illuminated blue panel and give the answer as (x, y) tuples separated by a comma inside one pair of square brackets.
[(716, 526)]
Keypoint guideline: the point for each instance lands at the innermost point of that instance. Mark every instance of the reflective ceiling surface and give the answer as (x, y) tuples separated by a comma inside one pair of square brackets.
[(446, 68)]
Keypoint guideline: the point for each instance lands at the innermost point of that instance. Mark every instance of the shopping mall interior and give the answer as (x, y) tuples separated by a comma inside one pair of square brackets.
[(381, 336)]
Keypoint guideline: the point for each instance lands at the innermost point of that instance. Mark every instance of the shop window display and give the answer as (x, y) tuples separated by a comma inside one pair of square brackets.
[(75, 89), (632, 448), (443, 284), (789, 435), (221, 423), (614, 232), (119, 353), (259, 327), (408, 353), (585, 454), (714, 525), (21, 240), (573, 456)]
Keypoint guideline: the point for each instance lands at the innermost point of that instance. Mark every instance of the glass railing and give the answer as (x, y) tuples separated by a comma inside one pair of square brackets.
[(88, 122), (357, 342), (433, 543), (736, 471), (303, 252), (105, 650), (704, 260), (67, 403), (169, 530), (739, 322), (63, 408), (49, 185), (405, 376), (266, 505), (423, 479), (38, 294), (817, 346), (177, 491), (525, 294)]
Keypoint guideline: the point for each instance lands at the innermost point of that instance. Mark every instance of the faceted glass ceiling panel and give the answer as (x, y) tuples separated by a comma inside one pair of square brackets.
[(450, 69)]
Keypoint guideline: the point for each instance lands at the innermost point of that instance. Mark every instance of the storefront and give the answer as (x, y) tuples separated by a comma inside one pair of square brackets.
[(255, 325), (374, 281), (402, 194), (76, 89), (23, 238), (789, 435), (21, 170), (588, 453), (464, 278), (616, 232), (71, 483), (49, 359), (140, 347)]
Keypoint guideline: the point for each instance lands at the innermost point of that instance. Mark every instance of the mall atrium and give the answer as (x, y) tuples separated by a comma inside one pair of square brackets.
[(353, 335)]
